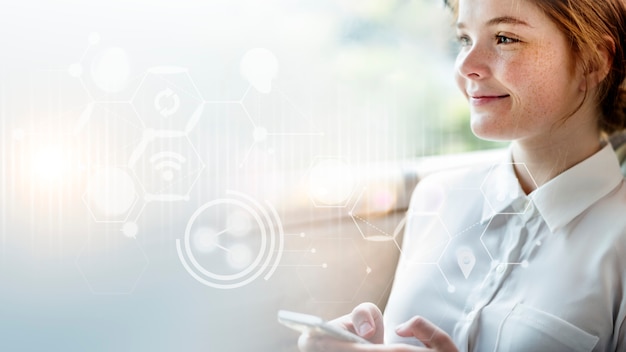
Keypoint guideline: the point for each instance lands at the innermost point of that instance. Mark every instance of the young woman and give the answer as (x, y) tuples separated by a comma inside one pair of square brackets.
[(529, 254)]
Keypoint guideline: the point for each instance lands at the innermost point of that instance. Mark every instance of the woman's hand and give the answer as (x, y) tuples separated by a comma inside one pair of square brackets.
[(428, 333), (366, 320)]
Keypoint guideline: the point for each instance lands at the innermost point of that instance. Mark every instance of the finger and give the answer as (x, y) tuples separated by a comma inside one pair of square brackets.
[(367, 321), (428, 333), (361, 320)]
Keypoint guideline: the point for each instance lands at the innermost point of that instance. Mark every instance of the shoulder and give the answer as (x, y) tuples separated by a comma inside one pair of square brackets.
[(611, 212), (455, 196), (466, 177)]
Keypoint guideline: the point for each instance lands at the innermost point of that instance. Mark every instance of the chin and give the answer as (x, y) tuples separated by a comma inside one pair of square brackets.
[(490, 132)]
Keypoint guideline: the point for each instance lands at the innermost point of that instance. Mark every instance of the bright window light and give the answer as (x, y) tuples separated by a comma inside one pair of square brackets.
[(51, 163)]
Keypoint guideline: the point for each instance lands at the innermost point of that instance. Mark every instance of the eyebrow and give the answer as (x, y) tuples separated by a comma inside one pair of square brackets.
[(500, 20)]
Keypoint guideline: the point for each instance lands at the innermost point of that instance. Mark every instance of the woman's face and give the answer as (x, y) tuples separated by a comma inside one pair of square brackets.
[(516, 69)]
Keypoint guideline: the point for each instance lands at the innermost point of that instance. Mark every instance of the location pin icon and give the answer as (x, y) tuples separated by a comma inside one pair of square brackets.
[(466, 260)]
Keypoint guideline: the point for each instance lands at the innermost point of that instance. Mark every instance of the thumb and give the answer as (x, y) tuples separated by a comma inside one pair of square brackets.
[(367, 321)]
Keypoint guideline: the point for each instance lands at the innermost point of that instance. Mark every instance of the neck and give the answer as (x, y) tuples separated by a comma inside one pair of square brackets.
[(550, 156)]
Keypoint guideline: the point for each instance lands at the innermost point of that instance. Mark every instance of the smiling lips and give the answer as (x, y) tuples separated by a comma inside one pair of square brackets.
[(480, 100)]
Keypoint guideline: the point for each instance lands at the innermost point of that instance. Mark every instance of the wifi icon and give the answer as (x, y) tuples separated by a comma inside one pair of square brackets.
[(167, 163)]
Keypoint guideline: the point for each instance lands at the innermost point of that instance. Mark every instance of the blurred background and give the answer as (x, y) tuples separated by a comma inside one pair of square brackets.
[(162, 162)]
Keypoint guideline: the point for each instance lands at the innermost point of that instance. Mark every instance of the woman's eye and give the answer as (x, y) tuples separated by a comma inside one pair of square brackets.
[(502, 39), (463, 40)]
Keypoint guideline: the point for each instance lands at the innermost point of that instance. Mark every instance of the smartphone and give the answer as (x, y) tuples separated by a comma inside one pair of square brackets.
[(313, 325)]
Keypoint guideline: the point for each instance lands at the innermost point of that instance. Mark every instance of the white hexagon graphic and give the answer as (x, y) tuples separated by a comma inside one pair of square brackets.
[(493, 244), (464, 260), (111, 263), (111, 194), (426, 237), (505, 192), (109, 132), (167, 99), (371, 207), (166, 164)]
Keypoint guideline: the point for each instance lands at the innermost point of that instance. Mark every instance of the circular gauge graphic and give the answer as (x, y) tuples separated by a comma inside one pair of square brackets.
[(232, 241)]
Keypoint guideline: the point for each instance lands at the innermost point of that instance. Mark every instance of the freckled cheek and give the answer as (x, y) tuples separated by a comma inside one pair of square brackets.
[(535, 88), (549, 91)]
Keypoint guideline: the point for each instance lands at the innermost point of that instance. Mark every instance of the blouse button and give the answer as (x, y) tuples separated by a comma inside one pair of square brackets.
[(500, 268)]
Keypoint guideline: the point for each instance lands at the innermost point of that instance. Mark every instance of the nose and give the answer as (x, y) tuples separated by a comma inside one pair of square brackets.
[(472, 63)]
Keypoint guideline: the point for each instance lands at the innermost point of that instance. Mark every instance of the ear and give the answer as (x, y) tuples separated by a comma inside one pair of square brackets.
[(600, 68)]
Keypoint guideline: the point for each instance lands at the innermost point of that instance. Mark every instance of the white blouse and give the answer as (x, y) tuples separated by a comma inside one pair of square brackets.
[(502, 271)]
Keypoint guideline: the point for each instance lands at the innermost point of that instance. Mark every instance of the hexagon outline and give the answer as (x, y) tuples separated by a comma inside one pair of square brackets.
[(130, 209), (487, 176), (443, 272), (87, 113), (369, 270), (493, 260), (132, 287), (148, 137), (443, 250), (385, 236), (197, 112)]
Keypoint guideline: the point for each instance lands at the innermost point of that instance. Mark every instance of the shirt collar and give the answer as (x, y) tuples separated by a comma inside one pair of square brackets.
[(501, 189), (561, 199)]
